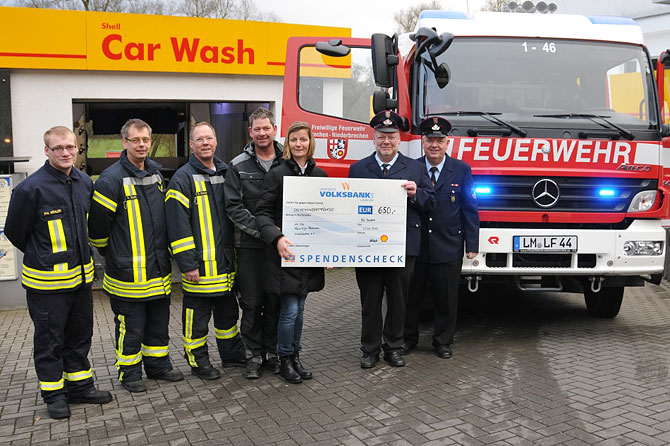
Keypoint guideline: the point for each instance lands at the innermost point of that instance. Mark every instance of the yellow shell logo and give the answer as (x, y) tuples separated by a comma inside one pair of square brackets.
[(384, 238)]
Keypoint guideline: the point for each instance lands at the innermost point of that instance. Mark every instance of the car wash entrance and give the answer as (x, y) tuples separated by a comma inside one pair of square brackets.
[(97, 125)]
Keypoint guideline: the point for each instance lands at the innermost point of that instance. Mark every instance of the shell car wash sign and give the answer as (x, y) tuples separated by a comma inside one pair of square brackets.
[(80, 40)]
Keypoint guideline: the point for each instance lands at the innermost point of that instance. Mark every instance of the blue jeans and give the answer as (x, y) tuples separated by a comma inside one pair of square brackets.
[(289, 329)]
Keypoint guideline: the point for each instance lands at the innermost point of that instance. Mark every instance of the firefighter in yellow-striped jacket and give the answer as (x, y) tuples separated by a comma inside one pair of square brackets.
[(46, 220), (127, 225), (201, 240)]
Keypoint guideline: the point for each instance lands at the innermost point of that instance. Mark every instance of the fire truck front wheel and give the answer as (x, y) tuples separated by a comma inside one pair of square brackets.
[(604, 303)]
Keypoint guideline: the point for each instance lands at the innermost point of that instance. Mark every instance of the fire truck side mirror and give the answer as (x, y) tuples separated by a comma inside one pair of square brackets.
[(442, 75), (383, 56), (333, 48), (441, 46), (381, 101), (665, 58)]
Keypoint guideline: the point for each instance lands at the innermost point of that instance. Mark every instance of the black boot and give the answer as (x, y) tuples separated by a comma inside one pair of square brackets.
[(297, 366), (287, 371)]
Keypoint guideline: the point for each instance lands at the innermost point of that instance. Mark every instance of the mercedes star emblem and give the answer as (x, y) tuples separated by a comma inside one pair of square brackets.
[(545, 193)]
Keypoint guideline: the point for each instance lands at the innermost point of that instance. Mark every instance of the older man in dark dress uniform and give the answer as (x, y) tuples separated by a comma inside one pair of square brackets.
[(451, 227)]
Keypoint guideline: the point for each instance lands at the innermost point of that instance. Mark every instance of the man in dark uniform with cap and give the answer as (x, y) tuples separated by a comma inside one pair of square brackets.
[(445, 230), (387, 163)]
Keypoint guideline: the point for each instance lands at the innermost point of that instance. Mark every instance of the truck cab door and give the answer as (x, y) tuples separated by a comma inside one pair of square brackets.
[(332, 94)]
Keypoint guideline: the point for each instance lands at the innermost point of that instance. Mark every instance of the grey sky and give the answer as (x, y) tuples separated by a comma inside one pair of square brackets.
[(367, 17), (363, 17)]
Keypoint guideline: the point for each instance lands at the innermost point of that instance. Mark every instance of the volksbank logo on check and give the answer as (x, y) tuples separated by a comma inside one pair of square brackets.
[(345, 193)]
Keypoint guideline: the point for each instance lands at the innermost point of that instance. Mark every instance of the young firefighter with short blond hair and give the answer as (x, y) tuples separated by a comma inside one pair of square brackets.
[(47, 221)]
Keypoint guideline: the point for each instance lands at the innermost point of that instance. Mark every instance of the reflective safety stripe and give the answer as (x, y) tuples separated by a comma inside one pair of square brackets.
[(175, 194), (104, 201), (188, 332), (144, 181), (226, 334), (57, 234), (155, 351), (215, 284), (216, 179), (189, 343), (58, 241), (99, 242), (153, 287), (182, 245), (192, 344), (127, 360), (52, 385), (78, 376), (206, 228), (122, 359), (56, 280), (136, 229)]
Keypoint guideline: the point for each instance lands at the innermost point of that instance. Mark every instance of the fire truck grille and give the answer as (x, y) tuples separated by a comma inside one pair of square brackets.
[(558, 194), (529, 260)]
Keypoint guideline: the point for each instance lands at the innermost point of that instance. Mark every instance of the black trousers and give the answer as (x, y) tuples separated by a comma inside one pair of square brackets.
[(196, 313), (141, 335), (372, 282), (260, 310), (445, 278), (63, 330)]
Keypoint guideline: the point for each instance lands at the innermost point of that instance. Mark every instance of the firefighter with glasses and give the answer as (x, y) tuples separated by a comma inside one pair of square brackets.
[(46, 220), (127, 224), (201, 240)]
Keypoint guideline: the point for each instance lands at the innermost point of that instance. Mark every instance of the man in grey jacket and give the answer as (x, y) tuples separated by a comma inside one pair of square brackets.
[(242, 189)]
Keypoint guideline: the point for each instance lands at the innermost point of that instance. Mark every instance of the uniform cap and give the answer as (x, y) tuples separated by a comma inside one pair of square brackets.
[(435, 127), (386, 122)]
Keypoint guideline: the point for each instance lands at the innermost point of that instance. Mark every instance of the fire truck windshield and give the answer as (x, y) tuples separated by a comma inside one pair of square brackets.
[(526, 80)]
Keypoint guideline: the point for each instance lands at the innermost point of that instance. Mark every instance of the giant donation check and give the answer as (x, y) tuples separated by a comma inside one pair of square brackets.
[(345, 221)]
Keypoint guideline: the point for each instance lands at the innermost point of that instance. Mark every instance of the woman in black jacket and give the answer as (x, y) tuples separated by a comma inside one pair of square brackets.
[(292, 284)]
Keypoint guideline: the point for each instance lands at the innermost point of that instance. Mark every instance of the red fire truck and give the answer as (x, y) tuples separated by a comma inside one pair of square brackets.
[(559, 117)]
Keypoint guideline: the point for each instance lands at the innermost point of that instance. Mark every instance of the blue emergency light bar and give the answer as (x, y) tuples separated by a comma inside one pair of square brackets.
[(482, 190), (606, 192)]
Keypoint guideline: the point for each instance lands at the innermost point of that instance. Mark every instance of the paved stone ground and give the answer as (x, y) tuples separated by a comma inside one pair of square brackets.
[(527, 370)]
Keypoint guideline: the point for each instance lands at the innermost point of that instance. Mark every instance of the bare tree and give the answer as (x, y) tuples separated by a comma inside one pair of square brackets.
[(48, 4), (199, 8), (496, 5), (86, 5), (405, 19), (247, 10), (220, 9), (155, 7)]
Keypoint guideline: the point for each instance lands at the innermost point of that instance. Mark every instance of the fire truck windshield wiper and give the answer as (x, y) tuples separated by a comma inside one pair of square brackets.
[(490, 117), (608, 124)]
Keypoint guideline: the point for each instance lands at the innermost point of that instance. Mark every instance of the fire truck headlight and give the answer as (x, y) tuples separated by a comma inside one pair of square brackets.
[(643, 248), (643, 201)]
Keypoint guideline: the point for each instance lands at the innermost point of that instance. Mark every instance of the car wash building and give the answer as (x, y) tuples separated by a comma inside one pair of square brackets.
[(92, 71)]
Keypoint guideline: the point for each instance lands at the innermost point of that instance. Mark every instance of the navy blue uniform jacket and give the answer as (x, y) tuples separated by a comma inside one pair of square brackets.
[(406, 169), (46, 220), (454, 222)]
